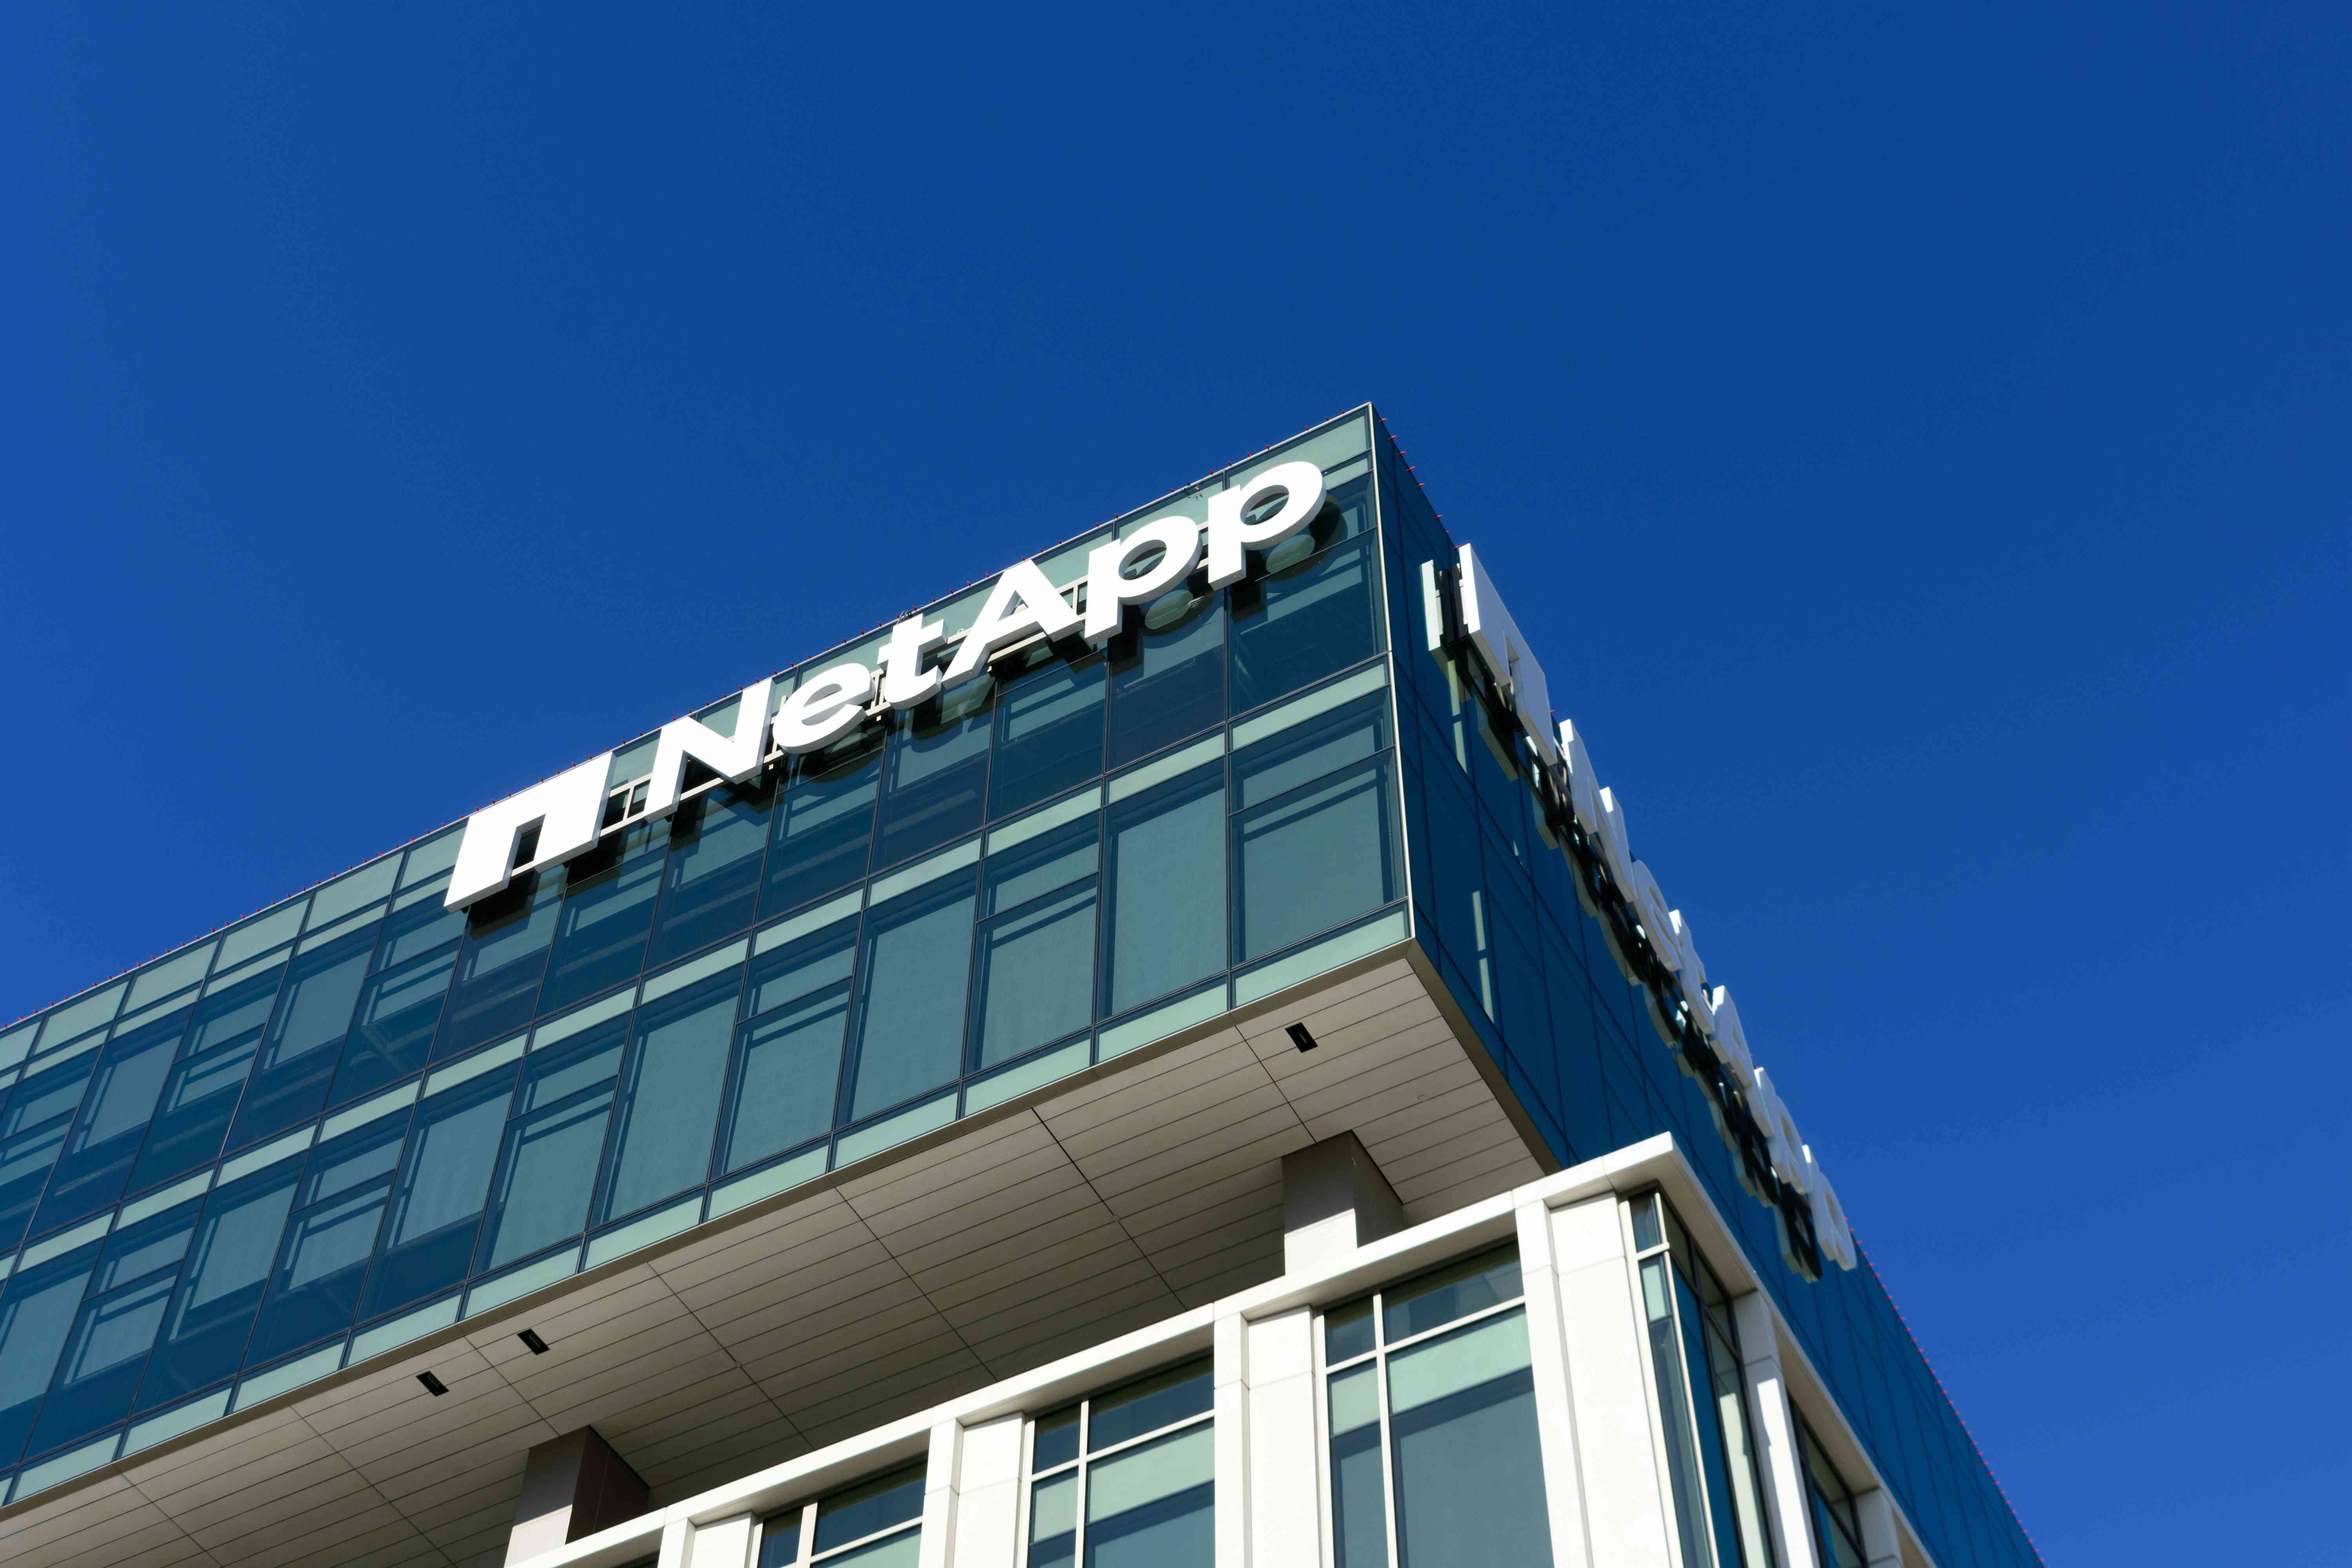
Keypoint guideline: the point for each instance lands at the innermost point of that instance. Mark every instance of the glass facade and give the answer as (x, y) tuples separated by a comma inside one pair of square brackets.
[(1538, 952), (875, 1524), (1127, 1478), (1430, 1408)]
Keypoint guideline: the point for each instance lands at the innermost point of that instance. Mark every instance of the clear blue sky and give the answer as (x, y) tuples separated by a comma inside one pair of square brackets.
[(1920, 445)]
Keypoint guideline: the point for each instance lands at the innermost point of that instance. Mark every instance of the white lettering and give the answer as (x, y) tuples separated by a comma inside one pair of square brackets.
[(905, 681), (1504, 651), (827, 704), (1230, 536), (566, 809), (734, 757), (1109, 590), (1022, 604)]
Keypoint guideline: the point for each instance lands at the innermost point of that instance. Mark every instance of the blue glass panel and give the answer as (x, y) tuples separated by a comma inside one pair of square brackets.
[(1170, 683), (32, 1130), (1049, 733), (1524, 1013), (298, 1054), (933, 776), (339, 1209), (780, 1540), (112, 1121), (500, 965), (1314, 858), (788, 1057), (914, 969), (1149, 1404), (201, 1092), (547, 1164), (37, 1307), (876, 1505), (1317, 618), (107, 1351), (1469, 1478), (1036, 975), (710, 885), (1576, 1048), (436, 1202), (400, 1008), (825, 827), (669, 1094), (1042, 864), (1165, 869), (1154, 1507), (210, 1315), (608, 911)]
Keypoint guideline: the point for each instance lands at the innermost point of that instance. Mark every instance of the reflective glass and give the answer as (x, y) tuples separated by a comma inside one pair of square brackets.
[(780, 1540), (669, 1094), (1314, 858), (552, 1145), (1469, 1466), (1049, 733), (1168, 679), (1154, 1506), (1454, 1291), (1036, 976), (1053, 1522), (933, 775), (1316, 619), (788, 1057), (32, 1130), (304, 1042), (1147, 1405), (711, 883), (111, 1122), (608, 910), (913, 970), (500, 965), (106, 1353), (1359, 1490), (37, 1307), (436, 1202), (200, 1093), (314, 1288), (211, 1311), (1055, 1440), (1165, 904), (400, 1006), (876, 1505), (825, 827)]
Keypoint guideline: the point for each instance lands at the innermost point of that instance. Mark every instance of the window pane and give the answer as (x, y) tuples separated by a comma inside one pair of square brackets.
[(780, 1540), (547, 1166), (1154, 1507), (1055, 1441), (1053, 1522), (1469, 1473), (1049, 733), (608, 911), (400, 1008), (39, 1116), (1359, 1493), (912, 977), (670, 1092), (500, 966), (212, 1312), (1722, 1439), (37, 1315), (436, 1204), (1049, 861), (1167, 899), (106, 1350), (824, 825), (1347, 1331), (201, 1091), (1454, 1291), (1036, 975), (877, 1504), (1674, 1395), (298, 1054), (1354, 732), (1317, 618), (1149, 1405), (932, 777), (315, 1288), (788, 1069), (712, 882), (1172, 684), (1314, 859), (112, 1121)]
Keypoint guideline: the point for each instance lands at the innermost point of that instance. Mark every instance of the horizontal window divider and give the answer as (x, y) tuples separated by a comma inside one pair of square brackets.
[(1157, 1023), (1319, 953), (171, 1196), (564, 1025), (287, 1375), (641, 1232), (1296, 710), (467, 1068), (1010, 1080), (1021, 829), (1183, 760), (948, 862), (397, 1332), (793, 927), (498, 1290), (197, 1412), (767, 1181), (268, 1154), (893, 1128), (695, 968), (65, 1241)]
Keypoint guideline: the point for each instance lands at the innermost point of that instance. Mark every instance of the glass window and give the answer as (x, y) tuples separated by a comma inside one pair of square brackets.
[(608, 911), (1049, 731), (913, 973), (875, 1524), (400, 1006), (298, 1055), (32, 1130), (1435, 1459), (210, 1314), (712, 882), (669, 1094), (113, 1119), (37, 1307), (105, 1352), (933, 774), (1168, 679), (824, 826), (1315, 618), (1836, 1521), (552, 1145), (1315, 842), (200, 1093), (788, 1056), (1166, 903), (500, 965), (1127, 1478), (1036, 971), (314, 1289), (436, 1203)]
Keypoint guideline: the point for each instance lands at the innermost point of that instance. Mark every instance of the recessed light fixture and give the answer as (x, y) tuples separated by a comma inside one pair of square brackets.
[(1300, 1037), (433, 1385), (530, 1337)]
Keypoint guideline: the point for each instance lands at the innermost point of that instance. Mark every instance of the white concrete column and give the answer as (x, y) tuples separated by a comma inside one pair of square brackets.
[(988, 1496), (1230, 1383), (722, 1544), (1776, 1433), (1555, 1414), (939, 1493), (1284, 1503), (1881, 1543), (1628, 1512), (677, 1544)]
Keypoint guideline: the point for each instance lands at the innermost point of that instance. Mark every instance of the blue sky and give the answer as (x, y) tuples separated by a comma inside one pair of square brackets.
[(1919, 444)]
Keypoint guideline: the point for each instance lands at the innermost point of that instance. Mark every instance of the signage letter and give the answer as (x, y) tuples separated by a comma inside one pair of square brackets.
[(827, 703), (732, 757), (1109, 590), (905, 681), (1504, 651), (567, 809), (1229, 535), (1039, 609)]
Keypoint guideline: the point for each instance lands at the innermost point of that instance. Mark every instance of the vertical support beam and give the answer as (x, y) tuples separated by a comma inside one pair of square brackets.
[(1229, 1347), (573, 1486), (1881, 1541), (722, 1543), (1775, 1431), (940, 1489), (1285, 1491), (1334, 1200), (677, 1544), (1555, 1415), (1628, 1512), (988, 1496)]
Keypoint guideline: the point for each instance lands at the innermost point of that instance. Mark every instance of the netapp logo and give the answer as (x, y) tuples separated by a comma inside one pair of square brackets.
[(1479, 622), (560, 817)]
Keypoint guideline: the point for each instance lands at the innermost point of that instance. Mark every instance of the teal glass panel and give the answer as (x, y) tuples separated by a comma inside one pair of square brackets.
[(1154, 1506), (1053, 1522), (33, 1131), (1035, 975), (1165, 902), (874, 1506), (438, 1199), (106, 1353), (552, 1145), (37, 1307), (780, 1540), (200, 1093), (1055, 1440), (1149, 1404), (500, 965), (670, 1092), (300, 1052), (1314, 859), (1360, 1529), (1317, 618), (112, 1120), (1049, 731), (608, 911), (914, 970), (212, 1310), (1468, 1464), (1168, 679), (788, 1057), (314, 1288), (710, 885), (934, 775), (400, 1008), (1443, 1295), (823, 829)]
